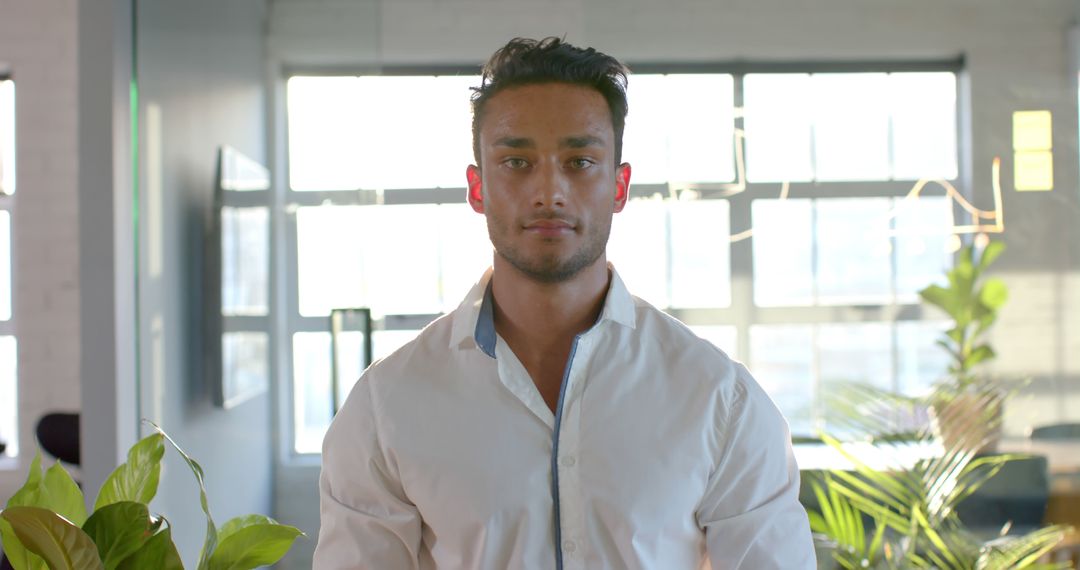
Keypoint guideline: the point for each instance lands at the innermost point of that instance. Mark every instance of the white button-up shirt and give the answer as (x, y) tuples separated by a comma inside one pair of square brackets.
[(663, 453)]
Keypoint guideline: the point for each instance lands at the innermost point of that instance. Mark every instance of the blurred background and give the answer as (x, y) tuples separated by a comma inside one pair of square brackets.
[(191, 189)]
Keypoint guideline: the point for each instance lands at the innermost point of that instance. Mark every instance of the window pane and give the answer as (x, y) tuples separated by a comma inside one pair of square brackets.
[(783, 261), (329, 258), (725, 337), (327, 127), (245, 261), (858, 353), (311, 390), (351, 256), (7, 137), (853, 249), (923, 125), (645, 141), (353, 132), (9, 411), (700, 253), (782, 360), (401, 259), (777, 120), (921, 361), (245, 365), (700, 128), (5, 265), (923, 235), (350, 361), (638, 249), (464, 252), (851, 126), (680, 128)]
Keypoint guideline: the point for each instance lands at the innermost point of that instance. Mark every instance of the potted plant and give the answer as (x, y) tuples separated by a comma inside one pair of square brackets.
[(911, 506), (45, 523), (973, 304)]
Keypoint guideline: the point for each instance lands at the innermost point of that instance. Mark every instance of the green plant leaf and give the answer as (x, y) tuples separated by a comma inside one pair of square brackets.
[(259, 544), (941, 298), (62, 495), (992, 251), (17, 554), (980, 353), (27, 496), (136, 480), (159, 552), (994, 294), (61, 544), (119, 529), (965, 257), (210, 542), (236, 523)]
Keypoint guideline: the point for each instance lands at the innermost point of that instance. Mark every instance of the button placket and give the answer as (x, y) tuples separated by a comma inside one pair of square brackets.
[(571, 494)]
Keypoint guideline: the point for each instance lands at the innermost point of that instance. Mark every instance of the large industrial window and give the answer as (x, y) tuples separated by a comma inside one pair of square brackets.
[(8, 361), (770, 212)]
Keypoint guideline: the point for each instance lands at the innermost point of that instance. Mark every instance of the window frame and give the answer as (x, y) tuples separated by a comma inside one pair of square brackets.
[(8, 328), (742, 313)]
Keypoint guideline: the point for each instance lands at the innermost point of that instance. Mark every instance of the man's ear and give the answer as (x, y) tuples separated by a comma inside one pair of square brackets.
[(622, 185), (475, 194)]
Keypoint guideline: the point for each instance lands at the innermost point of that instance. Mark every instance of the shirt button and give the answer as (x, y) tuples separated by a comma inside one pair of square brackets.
[(569, 546), (568, 461)]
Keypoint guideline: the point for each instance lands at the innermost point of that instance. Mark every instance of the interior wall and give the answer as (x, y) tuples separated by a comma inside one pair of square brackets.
[(38, 46), (201, 79), (1016, 59)]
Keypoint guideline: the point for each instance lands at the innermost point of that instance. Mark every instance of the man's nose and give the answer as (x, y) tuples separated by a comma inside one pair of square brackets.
[(551, 187)]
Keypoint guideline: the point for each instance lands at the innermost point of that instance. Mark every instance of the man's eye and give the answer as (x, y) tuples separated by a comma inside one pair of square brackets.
[(516, 163), (581, 163)]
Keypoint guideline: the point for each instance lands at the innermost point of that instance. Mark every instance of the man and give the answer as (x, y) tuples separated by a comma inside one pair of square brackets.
[(553, 420)]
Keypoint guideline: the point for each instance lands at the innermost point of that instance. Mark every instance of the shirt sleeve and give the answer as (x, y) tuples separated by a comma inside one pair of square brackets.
[(751, 513), (366, 521)]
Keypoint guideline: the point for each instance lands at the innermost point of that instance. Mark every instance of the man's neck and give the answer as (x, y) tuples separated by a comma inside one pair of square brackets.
[(540, 320)]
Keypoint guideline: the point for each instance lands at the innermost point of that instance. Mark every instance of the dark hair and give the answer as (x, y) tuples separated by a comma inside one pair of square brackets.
[(524, 61)]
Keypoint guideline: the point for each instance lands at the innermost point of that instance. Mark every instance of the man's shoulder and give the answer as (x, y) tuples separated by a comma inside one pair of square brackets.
[(430, 347), (656, 325)]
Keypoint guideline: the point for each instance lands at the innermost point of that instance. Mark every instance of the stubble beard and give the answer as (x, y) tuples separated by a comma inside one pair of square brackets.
[(550, 267)]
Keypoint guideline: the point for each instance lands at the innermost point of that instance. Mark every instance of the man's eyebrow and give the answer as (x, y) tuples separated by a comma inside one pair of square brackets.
[(582, 141), (516, 142)]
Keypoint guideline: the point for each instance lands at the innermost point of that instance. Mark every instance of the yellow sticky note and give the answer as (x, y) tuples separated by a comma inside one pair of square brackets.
[(1032, 130), (1033, 170)]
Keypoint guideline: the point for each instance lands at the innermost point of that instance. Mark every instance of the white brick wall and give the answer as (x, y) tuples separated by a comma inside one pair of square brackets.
[(38, 45)]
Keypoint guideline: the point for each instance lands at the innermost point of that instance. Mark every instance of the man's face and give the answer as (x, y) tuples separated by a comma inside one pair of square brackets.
[(547, 180)]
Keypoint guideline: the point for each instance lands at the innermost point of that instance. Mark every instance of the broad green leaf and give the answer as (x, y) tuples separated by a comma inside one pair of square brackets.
[(253, 546), (965, 257), (17, 554), (136, 480), (56, 491), (27, 496), (210, 542), (981, 353), (63, 545), (119, 529), (236, 523), (940, 297), (993, 250), (30, 492), (62, 495), (994, 293), (158, 553)]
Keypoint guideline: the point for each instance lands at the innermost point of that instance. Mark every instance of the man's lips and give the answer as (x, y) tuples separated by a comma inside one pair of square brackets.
[(549, 227)]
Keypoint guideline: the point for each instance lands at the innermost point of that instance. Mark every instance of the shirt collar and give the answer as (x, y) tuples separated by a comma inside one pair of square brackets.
[(475, 318)]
